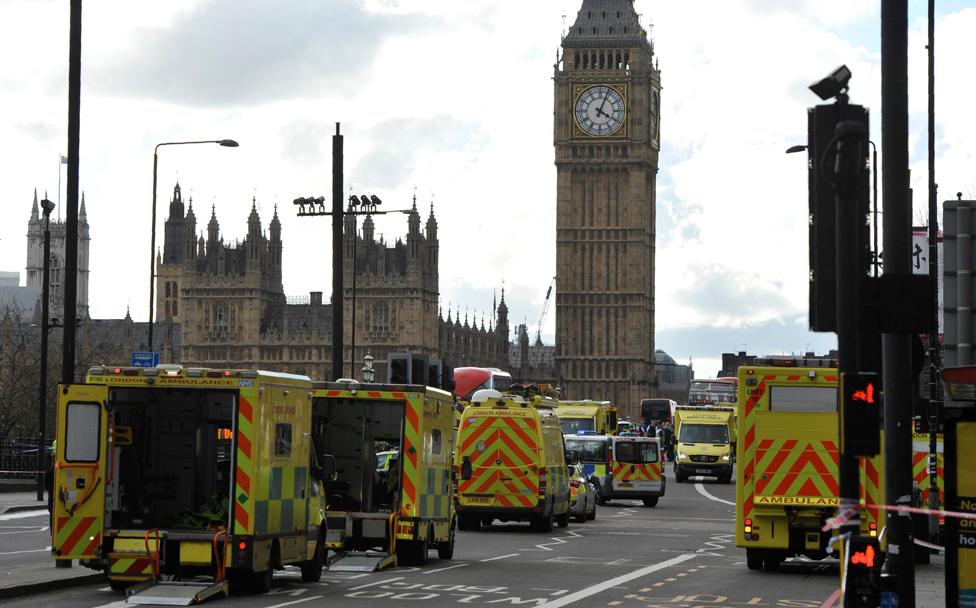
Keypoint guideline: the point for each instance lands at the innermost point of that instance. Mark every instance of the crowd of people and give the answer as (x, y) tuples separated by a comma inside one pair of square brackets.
[(663, 431)]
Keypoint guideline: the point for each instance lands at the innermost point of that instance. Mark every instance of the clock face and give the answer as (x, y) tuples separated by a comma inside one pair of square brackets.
[(600, 110)]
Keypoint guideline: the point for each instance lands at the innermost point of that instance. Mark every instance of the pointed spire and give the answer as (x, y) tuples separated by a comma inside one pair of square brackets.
[(81, 212), (34, 213)]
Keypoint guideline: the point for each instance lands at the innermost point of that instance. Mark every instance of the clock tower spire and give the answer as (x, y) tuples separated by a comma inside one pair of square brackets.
[(607, 134)]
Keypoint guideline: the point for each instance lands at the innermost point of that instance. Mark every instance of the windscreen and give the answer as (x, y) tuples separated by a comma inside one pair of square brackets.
[(703, 433), (571, 425), (635, 452), (588, 450)]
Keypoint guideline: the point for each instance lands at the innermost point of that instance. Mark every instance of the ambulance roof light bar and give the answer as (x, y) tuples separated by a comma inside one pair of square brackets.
[(790, 361)]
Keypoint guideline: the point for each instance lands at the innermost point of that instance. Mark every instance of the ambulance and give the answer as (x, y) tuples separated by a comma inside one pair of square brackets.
[(168, 472), (787, 455), (380, 517), (510, 462), (704, 442), (592, 417)]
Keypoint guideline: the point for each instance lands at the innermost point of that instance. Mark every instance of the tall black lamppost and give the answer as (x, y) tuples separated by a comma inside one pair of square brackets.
[(358, 205), (47, 207), (227, 143)]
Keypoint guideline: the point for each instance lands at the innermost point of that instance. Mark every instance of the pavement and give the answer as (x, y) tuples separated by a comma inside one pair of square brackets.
[(25, 564)]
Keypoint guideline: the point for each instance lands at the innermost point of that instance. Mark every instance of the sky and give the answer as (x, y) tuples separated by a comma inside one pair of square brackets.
[(452, 102)]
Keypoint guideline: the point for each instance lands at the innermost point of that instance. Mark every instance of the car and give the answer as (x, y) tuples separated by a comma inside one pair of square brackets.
[(582, 494)]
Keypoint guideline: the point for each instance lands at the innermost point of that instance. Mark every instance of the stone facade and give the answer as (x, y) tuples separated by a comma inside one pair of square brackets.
[(607, 134), (229, 304), (35, 259)]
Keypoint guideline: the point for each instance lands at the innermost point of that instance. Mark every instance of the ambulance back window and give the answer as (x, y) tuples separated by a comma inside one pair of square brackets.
[(82, 430), (808, 399), (635, 452)]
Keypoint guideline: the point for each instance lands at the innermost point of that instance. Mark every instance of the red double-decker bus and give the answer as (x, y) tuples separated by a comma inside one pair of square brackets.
[(467, 380)]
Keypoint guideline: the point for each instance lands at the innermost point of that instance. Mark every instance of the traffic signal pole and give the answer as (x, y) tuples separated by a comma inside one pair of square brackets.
[(899, 569), (849, 173)]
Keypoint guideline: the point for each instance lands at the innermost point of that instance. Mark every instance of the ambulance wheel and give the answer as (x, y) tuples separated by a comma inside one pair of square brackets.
[(467, 522), (261, 581), (563, 520), (486, 522), (119, 585), (445, 550), (312, 569), (754, 559), (412, 552), (772, 561), (650, 502), (542, 523)]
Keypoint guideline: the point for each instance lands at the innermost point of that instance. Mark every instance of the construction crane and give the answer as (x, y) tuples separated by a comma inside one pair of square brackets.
[(545, 310)]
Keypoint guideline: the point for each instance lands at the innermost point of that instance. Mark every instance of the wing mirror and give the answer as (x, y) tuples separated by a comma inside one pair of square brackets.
[(327, 466)]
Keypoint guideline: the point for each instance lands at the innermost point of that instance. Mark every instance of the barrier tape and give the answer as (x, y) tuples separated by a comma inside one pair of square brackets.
[(927, 545), (847, 515)]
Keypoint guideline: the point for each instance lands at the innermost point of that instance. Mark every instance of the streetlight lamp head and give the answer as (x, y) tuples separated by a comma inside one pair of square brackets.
[(833, 85), (375, 200), (47, 206), (796, 148), (228, 143)]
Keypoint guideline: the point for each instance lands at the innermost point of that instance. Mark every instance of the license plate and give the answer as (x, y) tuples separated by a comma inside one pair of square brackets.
[(477, 499), (625, 484), (703, 471)]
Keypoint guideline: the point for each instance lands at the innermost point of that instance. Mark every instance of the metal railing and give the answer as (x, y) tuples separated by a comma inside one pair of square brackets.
[(19, 458)]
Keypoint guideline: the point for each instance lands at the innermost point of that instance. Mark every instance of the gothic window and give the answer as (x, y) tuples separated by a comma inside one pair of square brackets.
[(174, 308), (594, 30), (221, 318), (381, 317), (167, 289)]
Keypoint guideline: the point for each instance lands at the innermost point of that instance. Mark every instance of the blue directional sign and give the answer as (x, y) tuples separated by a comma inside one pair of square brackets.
[(145, 359)]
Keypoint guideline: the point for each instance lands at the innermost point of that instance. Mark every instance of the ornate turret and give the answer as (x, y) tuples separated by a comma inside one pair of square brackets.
[(502, 327), (189, 232), (253, 234), (213, 228), (174, 248)]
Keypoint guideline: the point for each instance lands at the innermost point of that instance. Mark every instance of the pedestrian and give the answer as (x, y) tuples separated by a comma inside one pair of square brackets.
[(645, 429)]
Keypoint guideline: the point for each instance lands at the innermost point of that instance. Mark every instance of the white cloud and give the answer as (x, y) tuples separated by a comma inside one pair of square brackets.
[(455, 98)]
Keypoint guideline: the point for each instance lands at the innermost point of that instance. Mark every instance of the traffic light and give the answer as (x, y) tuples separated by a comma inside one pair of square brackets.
[(862, 571), (860, 413), (399, 368), (821, 149)]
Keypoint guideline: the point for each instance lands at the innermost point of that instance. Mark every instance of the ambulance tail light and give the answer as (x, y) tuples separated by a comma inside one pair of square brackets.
[(454, 481), (242, 546), (873, 529), (747, 528), (543, 481)]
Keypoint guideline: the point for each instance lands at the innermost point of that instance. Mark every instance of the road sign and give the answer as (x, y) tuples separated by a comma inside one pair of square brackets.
[(145, 359)]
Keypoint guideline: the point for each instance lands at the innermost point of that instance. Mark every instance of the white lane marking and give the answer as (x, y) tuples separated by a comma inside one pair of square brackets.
[(22, 515), (491, 559), (386, 580), (447, 568), (27, 551), (301, 601), (558, 540), (701, 490), (590, 591)]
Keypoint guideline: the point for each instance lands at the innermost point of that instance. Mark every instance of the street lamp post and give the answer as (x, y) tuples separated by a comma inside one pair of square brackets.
[(369, 374), (48, 207), (226, 143), (358, 205)]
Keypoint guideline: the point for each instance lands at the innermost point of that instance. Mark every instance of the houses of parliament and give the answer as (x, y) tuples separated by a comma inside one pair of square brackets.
[(227, 304)]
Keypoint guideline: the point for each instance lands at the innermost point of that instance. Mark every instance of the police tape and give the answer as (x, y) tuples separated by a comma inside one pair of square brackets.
[(853, 514)]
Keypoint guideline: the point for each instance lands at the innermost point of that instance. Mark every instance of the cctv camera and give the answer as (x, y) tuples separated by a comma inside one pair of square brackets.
[(833, 85), (47, 206)]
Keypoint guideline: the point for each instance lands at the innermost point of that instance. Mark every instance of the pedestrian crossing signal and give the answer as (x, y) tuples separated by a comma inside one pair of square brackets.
[(861, 577), (860, 420)]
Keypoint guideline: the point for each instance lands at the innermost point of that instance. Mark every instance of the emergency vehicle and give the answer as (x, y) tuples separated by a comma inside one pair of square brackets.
[(787, 455), (173, 472), (374, 519), (594, 417), (510, 462), (705, 442)]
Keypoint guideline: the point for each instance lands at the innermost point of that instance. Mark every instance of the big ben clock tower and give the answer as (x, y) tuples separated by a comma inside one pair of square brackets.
[(606, 134)]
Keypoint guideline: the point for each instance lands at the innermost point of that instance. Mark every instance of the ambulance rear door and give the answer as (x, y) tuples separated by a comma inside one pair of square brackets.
[(80, 471)]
